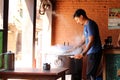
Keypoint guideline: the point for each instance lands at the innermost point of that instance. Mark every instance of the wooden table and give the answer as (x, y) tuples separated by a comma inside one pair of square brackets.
[(39, 74)]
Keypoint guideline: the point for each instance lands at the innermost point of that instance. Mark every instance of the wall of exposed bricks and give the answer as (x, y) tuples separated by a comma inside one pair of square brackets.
[(66, 30)]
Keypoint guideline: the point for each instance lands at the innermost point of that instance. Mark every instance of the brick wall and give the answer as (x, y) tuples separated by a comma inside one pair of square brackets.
[(66, 30)]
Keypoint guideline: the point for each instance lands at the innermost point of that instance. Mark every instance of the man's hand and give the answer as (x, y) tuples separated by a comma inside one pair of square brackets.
[(78, 56)]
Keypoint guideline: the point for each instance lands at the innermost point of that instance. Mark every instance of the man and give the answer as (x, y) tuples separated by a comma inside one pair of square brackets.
[(91, 38)]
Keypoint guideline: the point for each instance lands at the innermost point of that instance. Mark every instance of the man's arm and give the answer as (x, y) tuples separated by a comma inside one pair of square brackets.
[(87, 47)]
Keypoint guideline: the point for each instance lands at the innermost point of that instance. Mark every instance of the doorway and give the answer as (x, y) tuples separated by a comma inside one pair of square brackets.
[(20, 31), (21, 41)]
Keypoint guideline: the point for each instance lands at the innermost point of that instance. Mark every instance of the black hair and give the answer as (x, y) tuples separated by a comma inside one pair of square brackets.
[(80, 12)]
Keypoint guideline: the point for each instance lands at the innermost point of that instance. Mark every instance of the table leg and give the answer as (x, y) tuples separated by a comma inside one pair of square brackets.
[(63, 76)]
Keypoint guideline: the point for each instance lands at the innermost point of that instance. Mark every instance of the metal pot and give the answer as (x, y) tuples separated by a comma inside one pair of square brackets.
[(7, 60)]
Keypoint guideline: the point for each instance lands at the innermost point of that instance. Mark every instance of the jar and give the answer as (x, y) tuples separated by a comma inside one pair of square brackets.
[(46, 66)]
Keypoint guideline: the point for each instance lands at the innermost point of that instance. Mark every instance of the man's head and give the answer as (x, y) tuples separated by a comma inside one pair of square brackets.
[(80, 16)]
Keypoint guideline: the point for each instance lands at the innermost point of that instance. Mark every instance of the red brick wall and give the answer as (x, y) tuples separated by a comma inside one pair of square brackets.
[(66, 30)]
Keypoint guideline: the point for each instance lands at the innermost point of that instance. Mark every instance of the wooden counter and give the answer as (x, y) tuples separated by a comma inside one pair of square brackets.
[(111, 51), (111, 63)]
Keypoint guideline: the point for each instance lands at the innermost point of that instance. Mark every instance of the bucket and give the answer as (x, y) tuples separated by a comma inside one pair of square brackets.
[(9, 61)]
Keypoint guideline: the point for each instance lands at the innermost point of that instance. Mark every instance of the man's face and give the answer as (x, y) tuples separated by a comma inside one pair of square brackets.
[(79, 20)]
